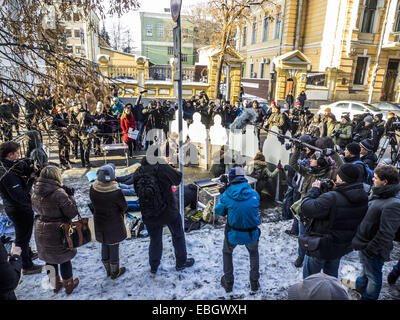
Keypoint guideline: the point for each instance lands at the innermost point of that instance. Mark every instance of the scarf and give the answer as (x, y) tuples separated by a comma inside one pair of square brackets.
[(105, 187), (384, 192)]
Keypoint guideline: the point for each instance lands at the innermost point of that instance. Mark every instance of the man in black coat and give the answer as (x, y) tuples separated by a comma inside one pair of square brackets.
[(10, 271), (352, 155), (375, 235), (367, 154), (336, 215), (60, 124), (14, 190), (165, 177)]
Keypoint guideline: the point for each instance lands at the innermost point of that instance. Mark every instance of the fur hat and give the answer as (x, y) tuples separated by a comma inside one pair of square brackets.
[(259, 156), (328, 110)]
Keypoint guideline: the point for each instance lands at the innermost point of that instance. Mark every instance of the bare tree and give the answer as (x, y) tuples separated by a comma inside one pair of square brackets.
[(218, 22), (34, 52)]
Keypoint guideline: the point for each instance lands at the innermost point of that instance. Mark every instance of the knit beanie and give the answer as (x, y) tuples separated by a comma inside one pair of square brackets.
[(368, 119), (106, 173), (234, 173), (367, 144), (354, 148), (348, 172), (346, 117)]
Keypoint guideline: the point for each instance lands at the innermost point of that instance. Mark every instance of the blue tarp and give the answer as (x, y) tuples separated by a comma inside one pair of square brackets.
[(6, 225)]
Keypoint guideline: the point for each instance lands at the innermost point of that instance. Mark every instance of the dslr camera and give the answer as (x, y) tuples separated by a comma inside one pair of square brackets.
[(326, 185), (24, 167), (336, 133)]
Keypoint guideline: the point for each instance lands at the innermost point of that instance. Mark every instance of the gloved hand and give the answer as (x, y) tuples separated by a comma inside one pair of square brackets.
[(5, 239), (279, 165), (297, 143), (328, 152)]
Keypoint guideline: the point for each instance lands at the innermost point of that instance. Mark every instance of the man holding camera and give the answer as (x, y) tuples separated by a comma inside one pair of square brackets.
[(342, 136), (334, 219), (15, 187), (240, 203), (10, 270)]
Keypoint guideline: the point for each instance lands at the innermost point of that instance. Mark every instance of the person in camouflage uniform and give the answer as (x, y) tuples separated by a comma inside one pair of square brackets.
[(60, 124), (275, 118), (86, 135), (316, 127), (344, 134)]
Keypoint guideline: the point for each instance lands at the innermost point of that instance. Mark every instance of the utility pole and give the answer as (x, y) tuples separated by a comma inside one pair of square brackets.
[(375, 71), (176, 16)]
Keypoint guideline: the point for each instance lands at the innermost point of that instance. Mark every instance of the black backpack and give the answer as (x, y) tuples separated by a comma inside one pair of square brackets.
[(147, 187)]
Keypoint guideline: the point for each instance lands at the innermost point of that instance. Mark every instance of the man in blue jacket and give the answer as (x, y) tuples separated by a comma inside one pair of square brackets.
[(240, 202)]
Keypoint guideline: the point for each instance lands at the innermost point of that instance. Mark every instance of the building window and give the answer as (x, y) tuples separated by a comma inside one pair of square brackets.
[(369, 15), (262, 67), (170, 51), (243, 69), (68, 17), (361, 70), (265, 29), (185, 33), (160, 30), (184, 57), (397, 23), (149, 30), (254, 32), (77, 33), (68, 33), (69, 49), (76, 16), (244, 40), (278, 23), (251, 70)]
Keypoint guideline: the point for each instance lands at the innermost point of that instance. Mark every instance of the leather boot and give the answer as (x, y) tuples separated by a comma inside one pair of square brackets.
[(70, 284), (58, 285), (116, 271), (107, 266)]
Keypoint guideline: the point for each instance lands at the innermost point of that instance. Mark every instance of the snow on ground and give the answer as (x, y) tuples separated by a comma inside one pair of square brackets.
[(200, 282)]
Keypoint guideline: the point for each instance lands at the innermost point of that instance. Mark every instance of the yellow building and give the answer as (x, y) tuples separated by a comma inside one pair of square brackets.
[(335, 44)]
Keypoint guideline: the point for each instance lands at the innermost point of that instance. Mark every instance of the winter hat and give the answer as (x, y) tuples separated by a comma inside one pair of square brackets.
[(354, 148), (273, 103), (116, 99), (318, 286), (348, 172), (367, 144), (235, 173), (368, 119), (298, 103), (106, 173), (346, 117), (379, 115), (332, 116), (328, 110)]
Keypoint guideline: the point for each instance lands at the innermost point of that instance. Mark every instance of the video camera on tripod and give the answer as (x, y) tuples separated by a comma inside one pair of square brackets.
[(302, 142)]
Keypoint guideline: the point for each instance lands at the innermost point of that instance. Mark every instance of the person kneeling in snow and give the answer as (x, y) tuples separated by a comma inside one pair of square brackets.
[(240, 202)]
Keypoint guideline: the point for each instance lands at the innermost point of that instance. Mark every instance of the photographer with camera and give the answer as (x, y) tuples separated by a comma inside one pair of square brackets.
[(342, 136), (86, 134), (335, 214), (10, 269), (16, 179), (366, 130), (240, 203), (321, 166)]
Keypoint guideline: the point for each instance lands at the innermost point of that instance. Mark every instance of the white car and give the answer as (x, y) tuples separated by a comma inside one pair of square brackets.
[(350, 108)]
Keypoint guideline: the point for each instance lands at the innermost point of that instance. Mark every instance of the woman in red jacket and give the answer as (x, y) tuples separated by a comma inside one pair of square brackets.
[(127, 122)]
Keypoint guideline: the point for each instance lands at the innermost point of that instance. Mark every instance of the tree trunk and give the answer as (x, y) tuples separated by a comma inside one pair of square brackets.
[(219, 72)]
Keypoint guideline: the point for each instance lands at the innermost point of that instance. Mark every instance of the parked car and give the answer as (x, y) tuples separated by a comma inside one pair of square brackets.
[(387, 107), (350, 108)]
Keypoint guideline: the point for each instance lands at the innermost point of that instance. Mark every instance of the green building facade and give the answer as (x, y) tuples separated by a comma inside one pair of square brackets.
[(157, 39)]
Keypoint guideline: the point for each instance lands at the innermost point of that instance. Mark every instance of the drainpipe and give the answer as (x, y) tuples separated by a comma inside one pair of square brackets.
[(281, 31), (375, 70), (298, 24)]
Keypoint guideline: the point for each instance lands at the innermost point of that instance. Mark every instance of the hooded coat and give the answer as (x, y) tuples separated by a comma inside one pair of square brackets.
[(377, 230), (109, 209), (54, 207), (240, 202), (338, 214)]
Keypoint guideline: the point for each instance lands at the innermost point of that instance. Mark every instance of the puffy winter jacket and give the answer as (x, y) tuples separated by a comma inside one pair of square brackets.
[(347, 205), (377, 230), (117, 109), (240, 202)]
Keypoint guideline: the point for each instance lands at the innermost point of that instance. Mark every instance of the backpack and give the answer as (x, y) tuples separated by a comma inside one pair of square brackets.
[(147, 187), (368, 173), (192, 220)]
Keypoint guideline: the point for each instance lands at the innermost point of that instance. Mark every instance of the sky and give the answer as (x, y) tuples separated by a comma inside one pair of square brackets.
[(129, 20)]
